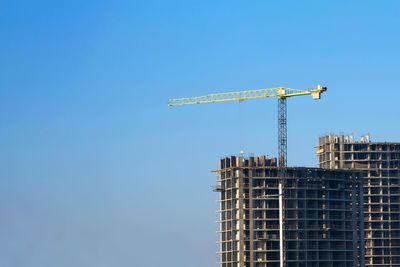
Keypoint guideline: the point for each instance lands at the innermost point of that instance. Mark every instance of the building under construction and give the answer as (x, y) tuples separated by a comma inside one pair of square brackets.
[(314, 223), (381, 163)]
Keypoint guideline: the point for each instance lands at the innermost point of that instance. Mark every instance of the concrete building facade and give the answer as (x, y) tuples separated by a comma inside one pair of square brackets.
[(320, 212), (381, 164)]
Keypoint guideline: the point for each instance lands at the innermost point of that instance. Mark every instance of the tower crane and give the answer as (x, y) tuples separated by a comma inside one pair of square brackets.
[(282, 94)]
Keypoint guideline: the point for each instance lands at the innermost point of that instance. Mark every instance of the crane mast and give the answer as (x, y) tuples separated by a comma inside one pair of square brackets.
[(282, 94), (282, 132), (282, 174)]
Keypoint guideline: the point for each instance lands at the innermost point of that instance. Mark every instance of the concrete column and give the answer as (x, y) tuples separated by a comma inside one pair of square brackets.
[(281, 254)]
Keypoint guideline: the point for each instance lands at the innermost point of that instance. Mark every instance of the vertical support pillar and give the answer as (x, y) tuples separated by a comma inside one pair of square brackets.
[(281, 254), (389, 209), (239, 176), (282, 159), (354, 188), (221, 212), (361, 219), (251, 175)]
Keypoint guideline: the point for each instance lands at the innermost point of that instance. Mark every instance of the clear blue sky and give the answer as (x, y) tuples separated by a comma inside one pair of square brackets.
[(97, 170)]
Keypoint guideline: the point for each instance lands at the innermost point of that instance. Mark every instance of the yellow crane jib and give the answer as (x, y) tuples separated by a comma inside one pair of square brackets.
[(279, 92)]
